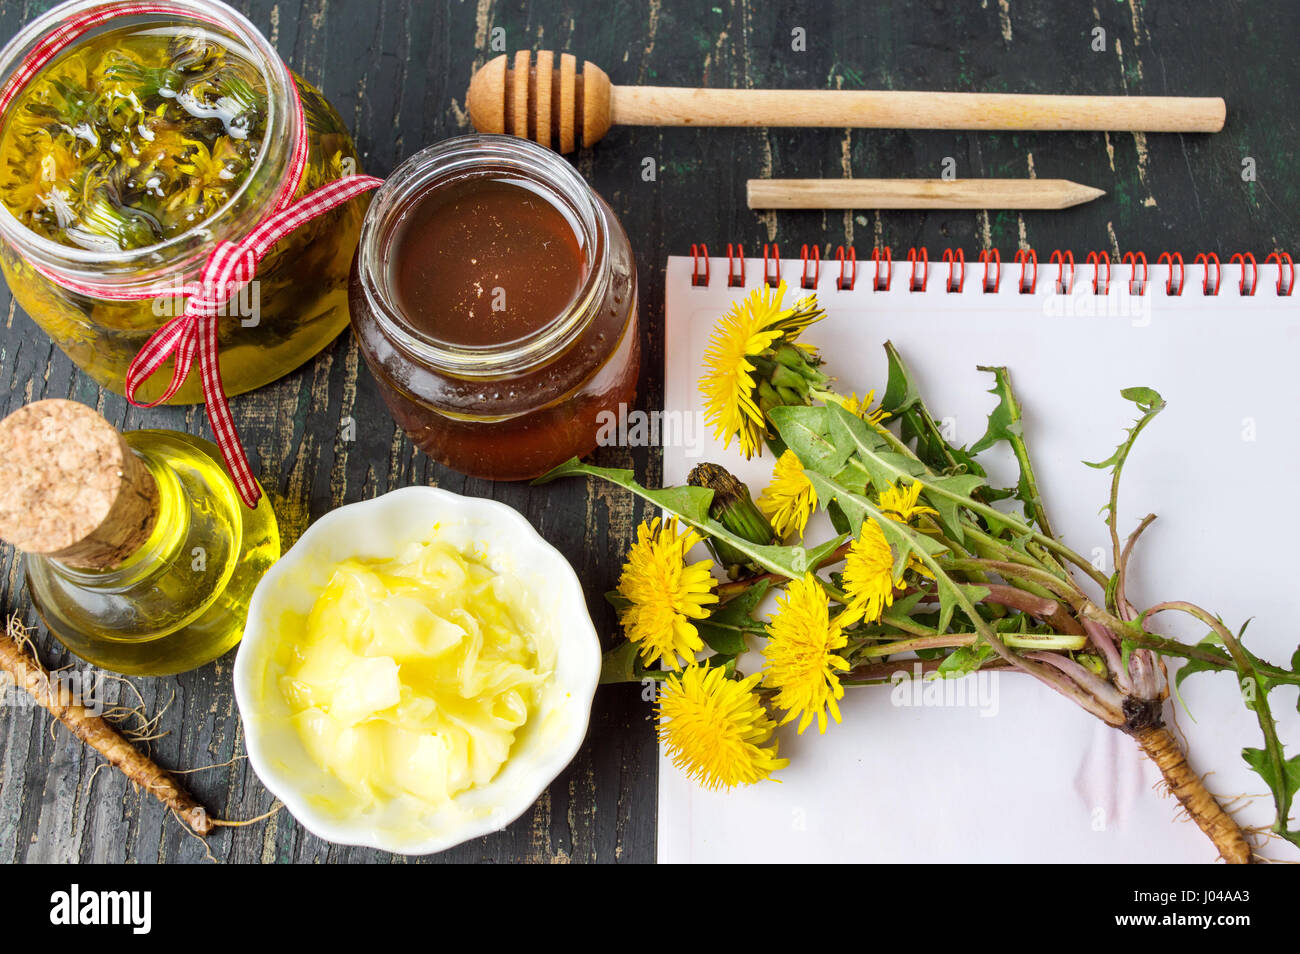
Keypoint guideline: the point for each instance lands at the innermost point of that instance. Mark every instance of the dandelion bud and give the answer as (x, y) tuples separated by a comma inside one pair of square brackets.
[(734, 508)]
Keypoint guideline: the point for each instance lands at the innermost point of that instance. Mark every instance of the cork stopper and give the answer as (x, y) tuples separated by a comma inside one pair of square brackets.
[(70, 487)]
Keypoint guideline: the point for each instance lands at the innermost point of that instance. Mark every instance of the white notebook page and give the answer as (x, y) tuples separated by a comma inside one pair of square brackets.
[(1036, 779)]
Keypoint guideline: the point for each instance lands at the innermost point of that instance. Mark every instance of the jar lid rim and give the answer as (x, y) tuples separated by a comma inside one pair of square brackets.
[(454, 158), (211, 14)]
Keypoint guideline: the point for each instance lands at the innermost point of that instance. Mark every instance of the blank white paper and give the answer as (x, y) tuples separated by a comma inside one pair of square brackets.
[(1027, 776)]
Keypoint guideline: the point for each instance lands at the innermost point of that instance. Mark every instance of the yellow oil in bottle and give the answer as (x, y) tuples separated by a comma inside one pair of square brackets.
[(181, 599)]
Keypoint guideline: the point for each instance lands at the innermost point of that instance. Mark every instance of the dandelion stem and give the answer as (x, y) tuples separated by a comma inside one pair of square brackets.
[(919, 642), (1247, 672), (1103, 691), (1121, 569), (732, 589), (881, 673), (1055, 587), (1048, 610), (989, 512)]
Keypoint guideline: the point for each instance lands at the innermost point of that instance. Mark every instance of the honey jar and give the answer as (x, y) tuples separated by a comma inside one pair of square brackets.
[(135, 138), (494, 298)]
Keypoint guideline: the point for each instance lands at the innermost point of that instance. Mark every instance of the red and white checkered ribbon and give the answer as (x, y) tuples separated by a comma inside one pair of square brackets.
[(230, 267)]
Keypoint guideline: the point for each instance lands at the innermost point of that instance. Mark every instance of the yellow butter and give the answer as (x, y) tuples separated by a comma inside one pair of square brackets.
[(412, 676)]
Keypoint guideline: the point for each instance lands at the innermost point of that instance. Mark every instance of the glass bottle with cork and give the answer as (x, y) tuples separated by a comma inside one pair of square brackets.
[(140, 557)]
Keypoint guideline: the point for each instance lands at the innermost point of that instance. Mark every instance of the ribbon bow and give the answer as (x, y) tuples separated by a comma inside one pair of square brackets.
[(230, 267)]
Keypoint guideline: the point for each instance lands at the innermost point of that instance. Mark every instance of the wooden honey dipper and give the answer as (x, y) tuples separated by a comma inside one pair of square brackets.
[(554, 104)]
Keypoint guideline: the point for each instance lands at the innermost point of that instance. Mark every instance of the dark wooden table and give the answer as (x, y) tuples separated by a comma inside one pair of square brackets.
[(397, 72)]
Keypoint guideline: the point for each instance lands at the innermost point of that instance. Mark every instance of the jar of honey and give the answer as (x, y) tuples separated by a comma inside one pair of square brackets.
[(494, 298), (137, 136)]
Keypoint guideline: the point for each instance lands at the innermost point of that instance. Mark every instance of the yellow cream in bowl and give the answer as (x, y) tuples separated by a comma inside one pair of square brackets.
[(411, 676)]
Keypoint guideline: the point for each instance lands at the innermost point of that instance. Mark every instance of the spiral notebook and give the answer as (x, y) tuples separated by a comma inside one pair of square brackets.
[(1007, 770)]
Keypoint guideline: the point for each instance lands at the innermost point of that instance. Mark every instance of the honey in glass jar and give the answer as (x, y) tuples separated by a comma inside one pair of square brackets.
[(494, 298)]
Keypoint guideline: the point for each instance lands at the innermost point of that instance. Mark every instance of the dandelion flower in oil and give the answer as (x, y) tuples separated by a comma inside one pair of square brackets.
[(210, 174)]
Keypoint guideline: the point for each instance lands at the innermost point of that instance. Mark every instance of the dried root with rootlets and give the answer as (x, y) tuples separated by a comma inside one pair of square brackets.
[(19, 661), (928, 557)]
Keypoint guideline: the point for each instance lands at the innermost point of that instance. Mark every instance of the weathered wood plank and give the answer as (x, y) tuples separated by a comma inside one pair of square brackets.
[(397, 72)]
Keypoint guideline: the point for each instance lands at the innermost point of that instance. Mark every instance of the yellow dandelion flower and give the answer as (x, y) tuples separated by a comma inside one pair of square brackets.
[(801, 658), (753, 325), (914, 563), (210, 174), (23, 195), (861, 407), (899, 503), (58, 160), (789, 500), (715, 729), (26, 194), (869, 574), (728, 384), (664, 594)]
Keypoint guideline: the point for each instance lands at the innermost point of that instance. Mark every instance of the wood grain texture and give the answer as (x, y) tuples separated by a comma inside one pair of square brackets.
[(397, 71), (917, 193), (906, 109)]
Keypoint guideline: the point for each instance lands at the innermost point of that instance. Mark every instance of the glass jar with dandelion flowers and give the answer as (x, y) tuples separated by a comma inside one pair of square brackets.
[(135, 138)]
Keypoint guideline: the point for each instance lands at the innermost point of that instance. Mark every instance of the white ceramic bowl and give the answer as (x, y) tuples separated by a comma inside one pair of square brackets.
[(377, 528)]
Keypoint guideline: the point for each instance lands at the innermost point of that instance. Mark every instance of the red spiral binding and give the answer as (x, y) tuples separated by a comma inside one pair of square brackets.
[(955, 259), (1136, 286), (1172, 258), (1059, 259), (991, 257), (918, 258), (1283, 262), (735, 252), (887, 260), (804, 281), (1245, 259), (1024, 258), (772, 280), (1095, 259), (849, 261), (1205, 259), (699, 252)]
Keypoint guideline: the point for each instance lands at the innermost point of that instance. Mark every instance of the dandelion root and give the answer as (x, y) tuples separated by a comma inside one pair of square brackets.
[(29, 674), (1161, 747)]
